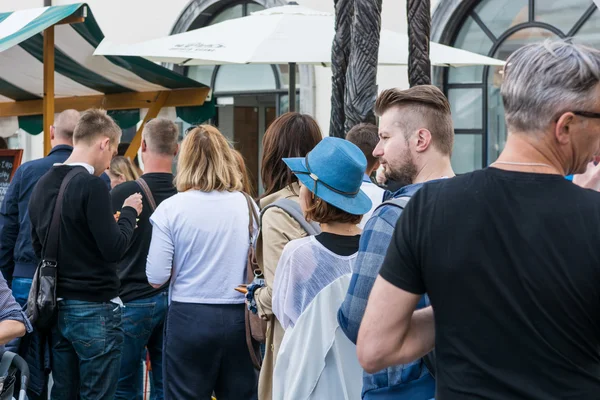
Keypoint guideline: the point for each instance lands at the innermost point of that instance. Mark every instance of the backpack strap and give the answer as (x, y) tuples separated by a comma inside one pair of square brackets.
[(293, 210), (146, 189), (399, 202)]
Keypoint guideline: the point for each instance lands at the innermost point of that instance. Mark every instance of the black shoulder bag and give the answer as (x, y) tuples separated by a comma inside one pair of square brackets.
[(42, 304)]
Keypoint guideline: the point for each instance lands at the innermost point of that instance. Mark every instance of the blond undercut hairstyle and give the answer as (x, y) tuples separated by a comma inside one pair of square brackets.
[(93, 124), (206, 162), (161, 136), (429, 108)]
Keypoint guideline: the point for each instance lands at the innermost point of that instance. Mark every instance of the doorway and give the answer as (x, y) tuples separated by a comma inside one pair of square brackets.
[(244, 123)]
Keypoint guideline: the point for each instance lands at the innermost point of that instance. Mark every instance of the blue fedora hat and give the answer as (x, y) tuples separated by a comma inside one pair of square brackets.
[(333, 171)]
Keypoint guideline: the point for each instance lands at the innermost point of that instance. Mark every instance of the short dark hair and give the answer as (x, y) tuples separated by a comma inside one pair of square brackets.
[(291, 135), (365, 136), (432, 106), (322, 212), (95, 123)]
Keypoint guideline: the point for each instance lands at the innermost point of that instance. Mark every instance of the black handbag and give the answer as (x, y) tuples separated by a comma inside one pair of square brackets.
[(41, 304)]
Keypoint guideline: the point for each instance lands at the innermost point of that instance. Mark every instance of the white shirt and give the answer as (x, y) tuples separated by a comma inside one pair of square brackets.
[(87, 166), (316, 360), (304, 269), (375, 193), (202, 240)]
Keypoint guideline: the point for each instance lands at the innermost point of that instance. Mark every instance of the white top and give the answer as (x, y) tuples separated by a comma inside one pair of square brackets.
[(202, 240), (375, 193), (316, 360), (305, 267)]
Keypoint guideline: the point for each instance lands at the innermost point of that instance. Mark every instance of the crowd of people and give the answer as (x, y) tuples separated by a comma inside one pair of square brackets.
[(481, 285)]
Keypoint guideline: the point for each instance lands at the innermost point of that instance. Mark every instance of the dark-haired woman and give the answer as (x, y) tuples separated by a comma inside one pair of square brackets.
[(290, 135)]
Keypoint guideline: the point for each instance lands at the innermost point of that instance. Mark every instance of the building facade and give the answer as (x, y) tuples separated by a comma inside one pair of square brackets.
[(249, 97)]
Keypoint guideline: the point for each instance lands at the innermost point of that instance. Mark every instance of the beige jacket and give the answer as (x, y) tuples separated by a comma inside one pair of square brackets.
[(278, 228)]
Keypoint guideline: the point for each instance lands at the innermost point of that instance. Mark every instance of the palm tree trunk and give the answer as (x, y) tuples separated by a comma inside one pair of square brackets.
[(419, 27), (361, 77), (340, 56)]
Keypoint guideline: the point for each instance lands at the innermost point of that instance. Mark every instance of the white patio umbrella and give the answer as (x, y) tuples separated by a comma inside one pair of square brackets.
[(290, 34)]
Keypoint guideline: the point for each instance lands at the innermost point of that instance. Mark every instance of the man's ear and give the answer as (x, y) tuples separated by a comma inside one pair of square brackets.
[(144, 145), (563, 128), (423, 140), (104, 143), (52, 132), (176, 150)]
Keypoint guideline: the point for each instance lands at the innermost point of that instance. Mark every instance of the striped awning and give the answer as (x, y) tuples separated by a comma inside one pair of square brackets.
[(77, 71)]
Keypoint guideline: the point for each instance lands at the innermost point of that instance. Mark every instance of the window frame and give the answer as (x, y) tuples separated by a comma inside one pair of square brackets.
[(448, 20)]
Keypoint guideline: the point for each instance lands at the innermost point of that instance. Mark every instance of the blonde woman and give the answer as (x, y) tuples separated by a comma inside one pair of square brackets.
[(122, 170), (200, 242)]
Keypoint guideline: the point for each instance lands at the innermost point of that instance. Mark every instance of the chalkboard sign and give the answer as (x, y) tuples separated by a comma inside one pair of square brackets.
[(9, 162)]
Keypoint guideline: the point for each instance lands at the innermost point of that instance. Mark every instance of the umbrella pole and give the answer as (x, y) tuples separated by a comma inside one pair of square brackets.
[(48, 105), (292, 88)]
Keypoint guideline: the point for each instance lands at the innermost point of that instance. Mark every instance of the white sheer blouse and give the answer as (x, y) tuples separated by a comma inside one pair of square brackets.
[(304, 269)]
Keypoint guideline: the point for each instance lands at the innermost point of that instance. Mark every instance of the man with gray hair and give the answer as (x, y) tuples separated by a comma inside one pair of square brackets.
[(145, 307), (514, 286)]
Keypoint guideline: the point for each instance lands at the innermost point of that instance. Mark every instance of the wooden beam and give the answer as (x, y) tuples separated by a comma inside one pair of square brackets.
[(48, 101), (121, 101), (152, 113), (73, 19)]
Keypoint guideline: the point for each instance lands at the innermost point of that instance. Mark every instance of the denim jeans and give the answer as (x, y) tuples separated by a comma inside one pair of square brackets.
[(30, 346), (143, 325), (86, 350), (20, 289)]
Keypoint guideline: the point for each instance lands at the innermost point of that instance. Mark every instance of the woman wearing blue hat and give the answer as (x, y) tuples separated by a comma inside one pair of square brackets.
[(330, 176)]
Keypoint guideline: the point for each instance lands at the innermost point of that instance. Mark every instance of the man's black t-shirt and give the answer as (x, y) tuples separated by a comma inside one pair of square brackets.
[(132, 268), (511, 263)]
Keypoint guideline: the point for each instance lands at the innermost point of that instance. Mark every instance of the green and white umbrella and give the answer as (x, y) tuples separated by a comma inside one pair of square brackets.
[(78, 73)]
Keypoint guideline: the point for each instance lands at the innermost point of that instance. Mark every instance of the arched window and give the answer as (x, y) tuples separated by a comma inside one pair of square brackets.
[(497, 28), (226, 80)]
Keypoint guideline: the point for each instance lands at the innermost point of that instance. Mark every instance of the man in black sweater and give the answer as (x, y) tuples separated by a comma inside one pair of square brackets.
[(145, 307), (87, 337)]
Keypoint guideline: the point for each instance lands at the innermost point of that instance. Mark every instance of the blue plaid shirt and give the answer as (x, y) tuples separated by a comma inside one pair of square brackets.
[(374, 242)]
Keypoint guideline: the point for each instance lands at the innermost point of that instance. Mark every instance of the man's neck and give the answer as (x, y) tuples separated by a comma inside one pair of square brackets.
[(80, 156), (59, 142), (436, 168), (158, 164), (527, 148)]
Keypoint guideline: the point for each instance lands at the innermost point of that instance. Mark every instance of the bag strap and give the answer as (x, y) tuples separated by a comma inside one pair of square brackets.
[(146, 189), (51, 248), (252, 215), (253, 348), (399, 202), (293, 210)]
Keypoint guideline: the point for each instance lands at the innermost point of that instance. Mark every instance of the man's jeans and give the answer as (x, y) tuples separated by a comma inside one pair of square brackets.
[(143, 325), (86, 350)]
